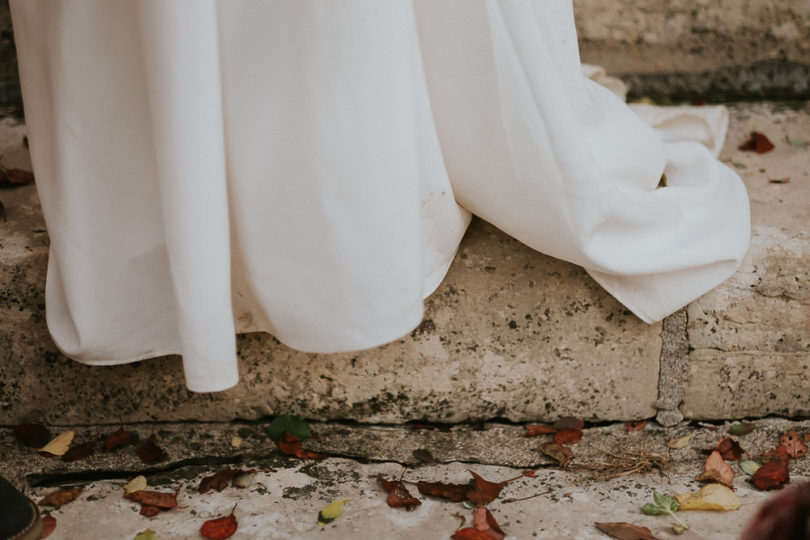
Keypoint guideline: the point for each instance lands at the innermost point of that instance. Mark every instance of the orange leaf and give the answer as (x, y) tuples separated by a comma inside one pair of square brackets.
[(451, 492), (538, 429), (484, 521), (484, 491), (565, 436), (635, 426), (716, 470), (469, 533), (153, 498), (291, 445), (730, 449), (220, 528), (772, 475), (398, 495), (60, 497), (793, 444)]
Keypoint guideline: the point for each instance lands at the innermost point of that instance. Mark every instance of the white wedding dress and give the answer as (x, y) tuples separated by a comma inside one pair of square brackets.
[(308, 168)]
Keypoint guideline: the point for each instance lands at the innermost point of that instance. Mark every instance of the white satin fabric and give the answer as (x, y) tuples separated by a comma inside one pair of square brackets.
[(308, 168)]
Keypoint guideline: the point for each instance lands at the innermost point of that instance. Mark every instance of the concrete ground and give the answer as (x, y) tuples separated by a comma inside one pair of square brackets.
[(285, 497)]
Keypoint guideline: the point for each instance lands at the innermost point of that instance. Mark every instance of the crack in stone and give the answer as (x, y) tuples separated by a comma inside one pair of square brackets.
[(674, 368)]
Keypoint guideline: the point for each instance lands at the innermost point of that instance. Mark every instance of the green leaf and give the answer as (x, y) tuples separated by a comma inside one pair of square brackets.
[(742, 428), (148, 534), (665, 501), (331, 512), (740, 165), (799, 143), (652, 510), (749, 467), (242, 480), (289, 423)]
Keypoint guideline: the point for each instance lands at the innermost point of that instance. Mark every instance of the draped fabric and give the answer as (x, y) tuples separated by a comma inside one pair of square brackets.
[(308, 168)]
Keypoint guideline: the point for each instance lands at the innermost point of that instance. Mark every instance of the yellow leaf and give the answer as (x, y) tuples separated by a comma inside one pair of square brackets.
[(677, 444), (136, 484), (148, 534), (60, 444), (236, 441), (710, 497), (331, 512)]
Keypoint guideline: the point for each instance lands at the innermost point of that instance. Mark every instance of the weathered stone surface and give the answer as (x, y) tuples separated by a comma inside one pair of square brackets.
[(751, 336), (510, 333), (683, 48)]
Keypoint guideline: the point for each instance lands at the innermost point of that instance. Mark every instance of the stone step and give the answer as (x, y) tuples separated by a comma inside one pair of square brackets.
[(510, 334)]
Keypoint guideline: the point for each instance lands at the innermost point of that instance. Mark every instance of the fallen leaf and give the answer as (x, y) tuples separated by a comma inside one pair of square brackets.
[(34, 435), (566, 436), (218, 481), (625, 531), (742, 428), (740, 165), (569, 422), (709, 497), (236, 441), (484, 521), (331, 512), (15, 177), (220, 528), (243, 480), (60, 497), (451, 492), (398, 495), (757, 142), (288, 423), (772, 475), (780, 452), (78, 452), (483, 491), (59, 445), (561, 454), (469, 533), (149, 451), (784, 516), (290, 445), (538, 429), (136, 484), (749, 467), (798, 143), (635, 426), (149, 511), (716, 470), (118, 439), (681, 442), (785, 180), (793, 444), (154, 498), (729, 449), (48, 525), (148, 534), (424, 456)]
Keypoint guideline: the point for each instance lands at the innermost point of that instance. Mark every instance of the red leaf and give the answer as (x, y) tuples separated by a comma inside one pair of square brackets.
[(220, 528), (398, 496), (757, 142), (772, 475), (635, 426), (34, 435), (538, 429), (150, 452), (154, 498), (565, 436), (117, 439), (780, 452), (451, 492), (784, 516), (291, 445), (569, 422), (15, 177), (48, 525), (218, 481), (793, 444), (730, 449), (625, 531), (149, 511), (469, 533), (78, 452), (483, 491), (485, 522), (716, 470)]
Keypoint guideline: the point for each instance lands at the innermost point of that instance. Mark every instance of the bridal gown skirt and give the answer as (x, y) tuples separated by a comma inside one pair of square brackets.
[(308, 168)]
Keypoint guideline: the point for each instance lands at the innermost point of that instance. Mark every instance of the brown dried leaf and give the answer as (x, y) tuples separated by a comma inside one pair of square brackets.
[(757, 142), (34, 435), (772, 475), (451, 492), (566, 436), (153, 498), (78, 452), (15, 177), (218, 481), (118, 439), (635, 426), (717, 470), (398, 495), (484, 521), (561, 454), (220, 528), (149, 451), (793, 444), (60, 497), (149, 511), (729, 449), (533, 430), (470, 533), (290, 445), (424, 456), (625, 531), (569, 422), (483, 491)]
